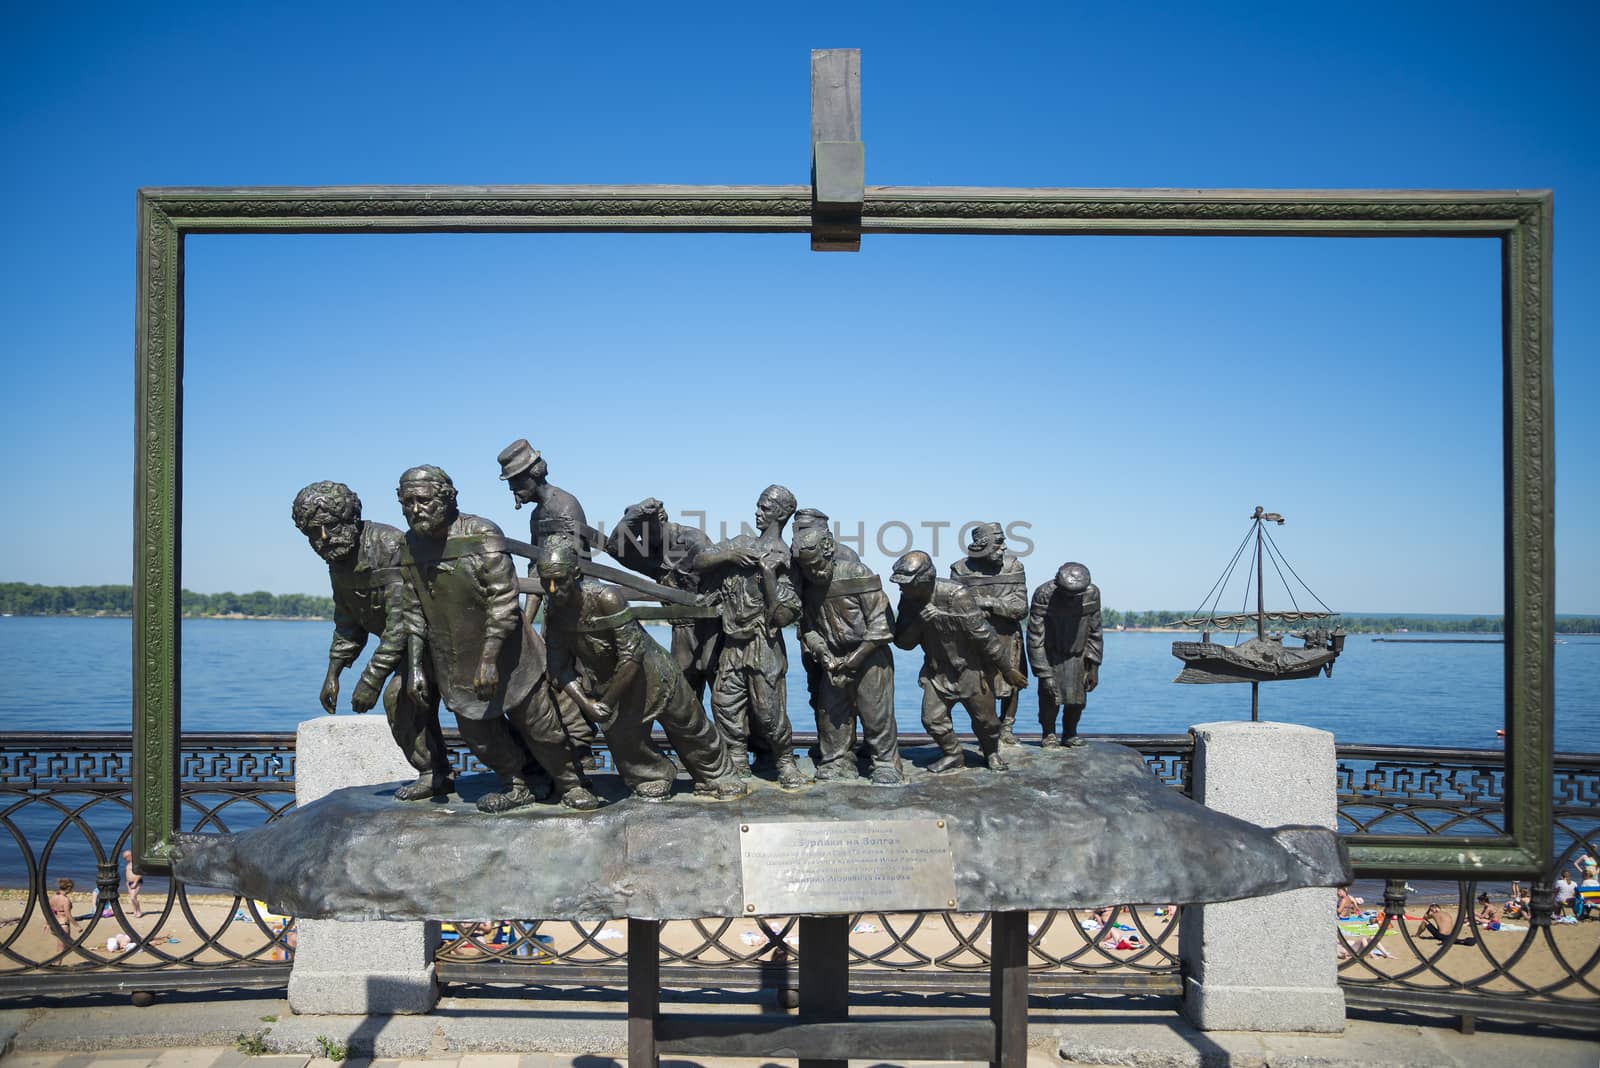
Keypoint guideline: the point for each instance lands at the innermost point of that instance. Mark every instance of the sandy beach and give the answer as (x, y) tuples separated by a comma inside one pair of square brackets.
[(953, 940)]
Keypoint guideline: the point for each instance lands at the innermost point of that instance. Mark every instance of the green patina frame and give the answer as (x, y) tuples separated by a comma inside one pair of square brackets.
[(1521, 220)]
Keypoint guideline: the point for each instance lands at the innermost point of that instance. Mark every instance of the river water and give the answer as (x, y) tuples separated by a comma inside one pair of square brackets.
[(64, 674)]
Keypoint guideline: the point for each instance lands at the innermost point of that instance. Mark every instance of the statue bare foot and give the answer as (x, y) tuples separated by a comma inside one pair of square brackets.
[(515, 797), (724, 789), (887, 775), (1007, 738), (1049, 741), (790, 777), (1076, 741), (427, 785), (998, 762), (839, 769), (654, 790), (580, 799)]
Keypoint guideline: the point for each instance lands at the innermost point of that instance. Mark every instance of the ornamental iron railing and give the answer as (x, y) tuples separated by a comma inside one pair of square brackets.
[(65, 802)]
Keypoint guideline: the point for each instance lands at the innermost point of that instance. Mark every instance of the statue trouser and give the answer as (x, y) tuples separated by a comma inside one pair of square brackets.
[(1071, 714), (937, 701), (498, 741), (750, 698), (869, 695), (689, 730), (1005, 692), (416, 731), (1062, 685), (644, 767), (694, 648), (578, 730)]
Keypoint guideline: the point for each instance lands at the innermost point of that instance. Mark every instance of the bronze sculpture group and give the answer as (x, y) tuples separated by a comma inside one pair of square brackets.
[(443, 600)]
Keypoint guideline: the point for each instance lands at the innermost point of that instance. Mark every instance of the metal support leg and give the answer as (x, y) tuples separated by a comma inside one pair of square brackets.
[(1008, 987), (644, 991), (825, 973)]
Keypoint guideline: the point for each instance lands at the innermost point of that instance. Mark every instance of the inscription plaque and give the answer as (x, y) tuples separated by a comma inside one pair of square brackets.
[(846, 866)]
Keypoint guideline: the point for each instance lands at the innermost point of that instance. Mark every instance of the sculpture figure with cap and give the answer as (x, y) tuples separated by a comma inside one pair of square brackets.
[(363, 560), (605, 662), (557, 516), (961, 653), (844, 626), (1065, 647), (1000, 586), (807, 519), (462, 615)]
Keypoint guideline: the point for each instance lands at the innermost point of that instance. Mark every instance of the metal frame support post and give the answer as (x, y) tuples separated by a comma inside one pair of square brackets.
[(838, 159)]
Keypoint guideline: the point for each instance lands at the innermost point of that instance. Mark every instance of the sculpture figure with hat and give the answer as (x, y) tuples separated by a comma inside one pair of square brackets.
[(961, 653), (1000, 586), (557, 516), (1065, 647), (462, 615), (607, 664)]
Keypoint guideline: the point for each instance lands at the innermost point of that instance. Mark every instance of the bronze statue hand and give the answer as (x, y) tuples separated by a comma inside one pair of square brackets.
[(1018, 678), (487, 680), (364, 697), (602, 713), (330, 690), (417, 687), (1091, 677)]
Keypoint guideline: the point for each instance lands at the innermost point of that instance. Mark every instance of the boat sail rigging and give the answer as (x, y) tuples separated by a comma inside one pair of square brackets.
[(1264, 657)]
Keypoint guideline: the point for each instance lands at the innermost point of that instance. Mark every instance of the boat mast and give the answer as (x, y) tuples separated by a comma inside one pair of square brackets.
[(1261, 606)]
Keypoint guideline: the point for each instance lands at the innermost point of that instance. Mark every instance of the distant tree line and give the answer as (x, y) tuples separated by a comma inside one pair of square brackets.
[(1367, 624), (23, 599)]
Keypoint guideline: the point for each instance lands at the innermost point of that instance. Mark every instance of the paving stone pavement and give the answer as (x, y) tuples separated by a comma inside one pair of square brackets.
[(511, 1033)]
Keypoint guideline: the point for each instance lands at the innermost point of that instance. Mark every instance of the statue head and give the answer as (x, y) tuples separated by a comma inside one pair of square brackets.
[(987, 542), (1073, 578), (810, 517), (522, 469), (329, 515), (813, 552), (773, 508), (558, 569), (914, 573), (647, 513), (428, 499)]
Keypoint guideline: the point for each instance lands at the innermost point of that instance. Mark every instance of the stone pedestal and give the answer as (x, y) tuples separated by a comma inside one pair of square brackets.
[(1265, 963), (370, 967)]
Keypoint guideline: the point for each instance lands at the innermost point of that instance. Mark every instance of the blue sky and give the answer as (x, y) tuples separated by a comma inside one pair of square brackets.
[(1130, 400)]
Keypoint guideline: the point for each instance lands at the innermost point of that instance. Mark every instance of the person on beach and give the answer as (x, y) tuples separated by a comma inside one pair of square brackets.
[(1487, 915), (60, 904), (1347, 905), (1434, 922), (135, 883), (1566, 894)]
